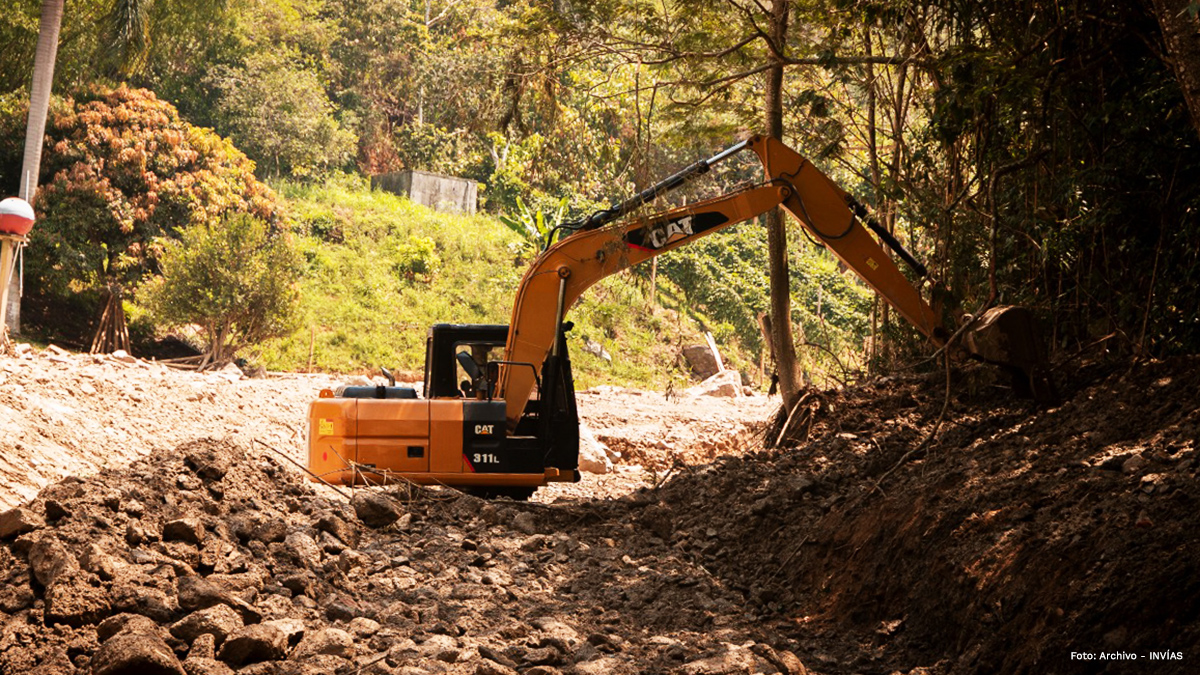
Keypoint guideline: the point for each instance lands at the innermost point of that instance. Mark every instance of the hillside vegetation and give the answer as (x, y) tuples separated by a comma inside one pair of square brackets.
[(380, 270)]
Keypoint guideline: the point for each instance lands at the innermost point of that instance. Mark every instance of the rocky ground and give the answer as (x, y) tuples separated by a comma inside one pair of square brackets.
[(866, 543)]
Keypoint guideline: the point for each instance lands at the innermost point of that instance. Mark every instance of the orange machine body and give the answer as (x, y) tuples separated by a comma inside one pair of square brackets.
[(365, 441), (375, 435)]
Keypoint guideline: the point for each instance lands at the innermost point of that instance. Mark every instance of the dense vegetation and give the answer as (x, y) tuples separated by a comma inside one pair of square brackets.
[(1039, 153)]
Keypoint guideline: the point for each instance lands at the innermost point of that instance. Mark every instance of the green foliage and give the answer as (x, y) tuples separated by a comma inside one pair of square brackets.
[(512, 162), (644, 341), (359, 310), (236, 279), (1078, 172), (725, 276), (396, 268), (120, 171), (533, 226), (1043, 146), (417, 257), (280, 116), (429, 147), (18, 34)]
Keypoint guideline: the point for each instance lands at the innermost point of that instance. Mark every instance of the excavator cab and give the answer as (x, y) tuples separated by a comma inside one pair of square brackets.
[(458, 353)]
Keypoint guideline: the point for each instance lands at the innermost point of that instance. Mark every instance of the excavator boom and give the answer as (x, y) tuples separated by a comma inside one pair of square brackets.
[(569, 267)]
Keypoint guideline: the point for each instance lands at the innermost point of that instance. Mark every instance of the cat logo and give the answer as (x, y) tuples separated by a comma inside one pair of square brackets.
[(670, 231), (484, 429)]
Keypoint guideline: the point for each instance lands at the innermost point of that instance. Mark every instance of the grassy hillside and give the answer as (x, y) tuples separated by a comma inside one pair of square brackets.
[(381, 270)]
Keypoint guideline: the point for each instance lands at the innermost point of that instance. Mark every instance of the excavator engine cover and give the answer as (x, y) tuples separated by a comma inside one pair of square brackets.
[(1007, 336)]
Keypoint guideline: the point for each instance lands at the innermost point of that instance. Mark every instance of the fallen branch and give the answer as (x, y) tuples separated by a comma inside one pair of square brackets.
[(840, 365), (303, 468), (359, 669), (780, 566), (788, 422), (182, 359)]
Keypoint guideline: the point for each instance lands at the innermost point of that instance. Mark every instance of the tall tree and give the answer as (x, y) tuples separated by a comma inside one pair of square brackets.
[(784, 343)]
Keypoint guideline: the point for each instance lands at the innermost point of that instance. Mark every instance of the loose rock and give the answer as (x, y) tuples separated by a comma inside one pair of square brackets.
[(218, 621), (375, 509), (251, 644), (135, 654), (189, 530), (18, 521)]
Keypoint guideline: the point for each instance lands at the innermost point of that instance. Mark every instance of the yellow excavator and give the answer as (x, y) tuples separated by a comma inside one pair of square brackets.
[(498, 416)]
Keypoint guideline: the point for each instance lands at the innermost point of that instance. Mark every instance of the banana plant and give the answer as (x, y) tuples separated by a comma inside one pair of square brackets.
[(532, 225)]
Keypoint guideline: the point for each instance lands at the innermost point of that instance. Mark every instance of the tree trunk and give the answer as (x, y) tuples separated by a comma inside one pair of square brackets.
[(1181, 33), (35, 130), (784, 344)]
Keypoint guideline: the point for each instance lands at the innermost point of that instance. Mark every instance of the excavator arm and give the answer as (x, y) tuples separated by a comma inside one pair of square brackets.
[(825, 210), (569, 267)]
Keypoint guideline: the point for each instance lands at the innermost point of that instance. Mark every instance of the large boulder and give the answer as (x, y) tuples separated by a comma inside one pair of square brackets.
[(701, 360), (727, 383), (593, 455)]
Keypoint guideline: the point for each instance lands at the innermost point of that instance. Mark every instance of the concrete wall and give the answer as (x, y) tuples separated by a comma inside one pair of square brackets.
[(444, 193)]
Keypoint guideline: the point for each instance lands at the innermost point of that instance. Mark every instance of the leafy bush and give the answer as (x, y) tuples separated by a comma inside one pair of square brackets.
[(235, 279), (532, 224), (417, 257)]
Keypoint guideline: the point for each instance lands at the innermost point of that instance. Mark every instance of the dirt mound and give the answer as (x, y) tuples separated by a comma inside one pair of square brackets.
[(67, 414), (214, 557), (1009, 542)]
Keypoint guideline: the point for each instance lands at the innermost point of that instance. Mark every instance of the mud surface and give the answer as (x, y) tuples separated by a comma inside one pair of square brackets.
[(865, 544)]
